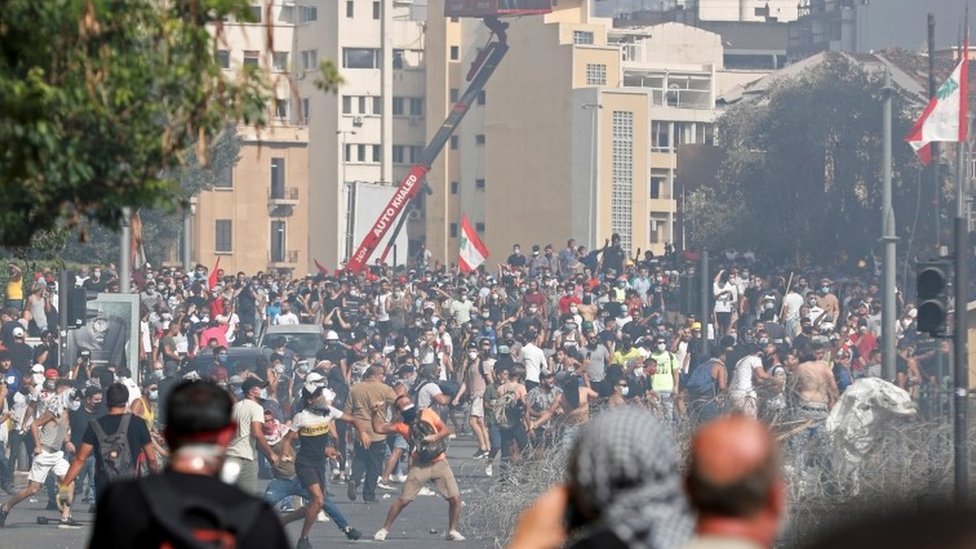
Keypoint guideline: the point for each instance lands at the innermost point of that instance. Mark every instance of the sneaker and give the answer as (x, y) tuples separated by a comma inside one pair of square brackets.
[(322, 517), (385, 486), (425, 491), (303, 543), (69, 523), (480, 453), (3, 516), (451, 436), (352, 533), (351, 490), (488, 470), (454, 535), (399, 479), (381, 534)]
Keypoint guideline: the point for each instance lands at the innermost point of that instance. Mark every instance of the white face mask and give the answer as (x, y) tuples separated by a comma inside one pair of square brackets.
[(472, 354), (661, 346), (574, 310), (624, 391), (279, 369), (38, 379), (264, 394)]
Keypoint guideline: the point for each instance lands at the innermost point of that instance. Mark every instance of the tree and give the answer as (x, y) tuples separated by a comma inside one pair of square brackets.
[(802, 174), (102, 100)]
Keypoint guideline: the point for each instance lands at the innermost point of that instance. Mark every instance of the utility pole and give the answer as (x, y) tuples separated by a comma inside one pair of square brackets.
[(960, 333), (704, 302), (187, 258), (125, 261), (888, 305), (932, 171)]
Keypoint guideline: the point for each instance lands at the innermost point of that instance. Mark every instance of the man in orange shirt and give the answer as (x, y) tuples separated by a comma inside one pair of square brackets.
[(425, 432)]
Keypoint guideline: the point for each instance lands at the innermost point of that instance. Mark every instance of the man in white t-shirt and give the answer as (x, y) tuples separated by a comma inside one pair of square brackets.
[(287, 317), (742, 391), (534, 361), (248, 414)]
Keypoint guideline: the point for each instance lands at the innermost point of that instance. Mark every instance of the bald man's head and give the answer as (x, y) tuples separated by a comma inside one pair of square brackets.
[(734, 468)]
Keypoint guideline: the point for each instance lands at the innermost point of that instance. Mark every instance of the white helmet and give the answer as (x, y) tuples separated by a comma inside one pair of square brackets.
[(331, 335)]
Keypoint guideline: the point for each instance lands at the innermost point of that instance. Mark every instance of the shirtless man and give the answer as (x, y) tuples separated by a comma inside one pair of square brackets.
[(816, 393), (574, 402)]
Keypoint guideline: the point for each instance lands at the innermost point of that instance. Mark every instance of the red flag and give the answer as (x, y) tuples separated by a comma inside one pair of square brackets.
[(212, 280), (322, 269)]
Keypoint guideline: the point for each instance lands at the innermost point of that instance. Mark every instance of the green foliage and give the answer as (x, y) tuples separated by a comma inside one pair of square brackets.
[(802, 174), (100, 102)]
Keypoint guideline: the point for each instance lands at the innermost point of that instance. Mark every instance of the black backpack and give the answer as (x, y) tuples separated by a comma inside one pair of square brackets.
[(171, 512), (425, 452), (117, 462)]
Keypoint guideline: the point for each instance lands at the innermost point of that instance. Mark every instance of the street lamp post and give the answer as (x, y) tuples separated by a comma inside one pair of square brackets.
[(343, 137), (591, 221)]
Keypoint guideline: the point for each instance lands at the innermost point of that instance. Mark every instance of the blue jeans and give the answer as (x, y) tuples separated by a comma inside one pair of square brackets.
[(278, 489)]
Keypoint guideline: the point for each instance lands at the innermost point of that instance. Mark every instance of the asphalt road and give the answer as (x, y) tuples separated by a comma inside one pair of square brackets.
[(421, 526)]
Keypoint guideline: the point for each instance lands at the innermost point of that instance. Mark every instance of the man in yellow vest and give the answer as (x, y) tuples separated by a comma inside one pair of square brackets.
[(664, 380)]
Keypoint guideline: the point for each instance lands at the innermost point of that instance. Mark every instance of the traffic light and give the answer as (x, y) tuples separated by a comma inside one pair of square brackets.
[(932, 290)]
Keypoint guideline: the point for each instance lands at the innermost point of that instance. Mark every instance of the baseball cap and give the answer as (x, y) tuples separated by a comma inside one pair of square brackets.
[(17, 332), (37, 369), (51, 373), (696, 326), (313, 381)]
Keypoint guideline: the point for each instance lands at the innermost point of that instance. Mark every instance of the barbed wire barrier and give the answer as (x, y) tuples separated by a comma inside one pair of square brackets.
[(906, 461)]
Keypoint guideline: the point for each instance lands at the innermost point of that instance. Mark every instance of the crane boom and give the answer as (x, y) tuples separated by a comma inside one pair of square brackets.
[(408, 189)]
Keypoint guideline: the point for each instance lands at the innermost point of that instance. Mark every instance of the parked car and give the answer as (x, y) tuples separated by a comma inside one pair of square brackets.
[(303, 339)]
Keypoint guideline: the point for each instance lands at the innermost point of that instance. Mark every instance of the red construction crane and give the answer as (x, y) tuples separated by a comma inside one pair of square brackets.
[(482, 68)]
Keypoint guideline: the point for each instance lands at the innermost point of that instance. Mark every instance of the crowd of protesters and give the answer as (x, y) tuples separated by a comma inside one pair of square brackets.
[(516, 356)]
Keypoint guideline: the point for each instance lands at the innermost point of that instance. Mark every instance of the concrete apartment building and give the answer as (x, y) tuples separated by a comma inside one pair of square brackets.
[(578, 132), (255, 218), (364, 138)]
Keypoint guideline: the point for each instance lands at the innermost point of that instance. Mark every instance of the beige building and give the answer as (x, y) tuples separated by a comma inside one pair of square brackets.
[(256, 217), (578, 132)]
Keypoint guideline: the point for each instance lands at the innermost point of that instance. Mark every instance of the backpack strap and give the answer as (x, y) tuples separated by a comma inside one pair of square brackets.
[(99, 432), (124, 424)]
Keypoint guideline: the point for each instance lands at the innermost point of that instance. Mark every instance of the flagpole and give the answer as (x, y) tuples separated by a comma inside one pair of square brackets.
[(960, 333)]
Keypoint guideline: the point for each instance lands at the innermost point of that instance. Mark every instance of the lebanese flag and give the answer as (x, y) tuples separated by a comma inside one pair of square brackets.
[(944, 119), (472, 251), (212, 279)]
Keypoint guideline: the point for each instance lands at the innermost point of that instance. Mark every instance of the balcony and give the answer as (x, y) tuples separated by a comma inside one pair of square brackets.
[(282, 259), (283, 196)]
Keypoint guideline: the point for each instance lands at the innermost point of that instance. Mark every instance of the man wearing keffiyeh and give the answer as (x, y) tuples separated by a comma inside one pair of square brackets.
[(624, 490)]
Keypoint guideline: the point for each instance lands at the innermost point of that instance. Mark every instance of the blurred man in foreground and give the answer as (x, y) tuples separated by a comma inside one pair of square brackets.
[(734, 484), (189, 503)]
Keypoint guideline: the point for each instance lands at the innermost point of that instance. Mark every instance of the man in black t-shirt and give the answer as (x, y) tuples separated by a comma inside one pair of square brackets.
[(78, 421), (116, 397), (199, 430)]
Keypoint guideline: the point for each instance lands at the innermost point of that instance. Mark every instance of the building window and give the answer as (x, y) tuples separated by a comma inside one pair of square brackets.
[(279, 61), (361, 58), (346, 104), (657, 183), (310, 60), (377, 105), (454, 142), (377, 153), (281, 109), (479, 139), (481, 97), (225, 179), (305, 116), (287, 14), (454, 95), (596, 74), (398, 59), (416, 106), (251, 58), (582, 37), (362, 104), (278, 233), (415, 152), (350, 8), (660, 139), (257, 13), (397, 106), (376, 10), (455, 53), (223, 59), (223, 236), (398, 154), (455, 187), (622, 176), (479, 227), (454, 230), (479, 184), (347, 153), (277, 177), (308, 13)]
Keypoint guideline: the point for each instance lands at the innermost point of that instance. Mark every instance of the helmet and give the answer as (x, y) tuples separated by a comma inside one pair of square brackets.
[(331, 335)]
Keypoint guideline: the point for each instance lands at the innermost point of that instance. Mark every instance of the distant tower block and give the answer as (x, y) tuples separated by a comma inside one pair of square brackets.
[(495, 8)]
